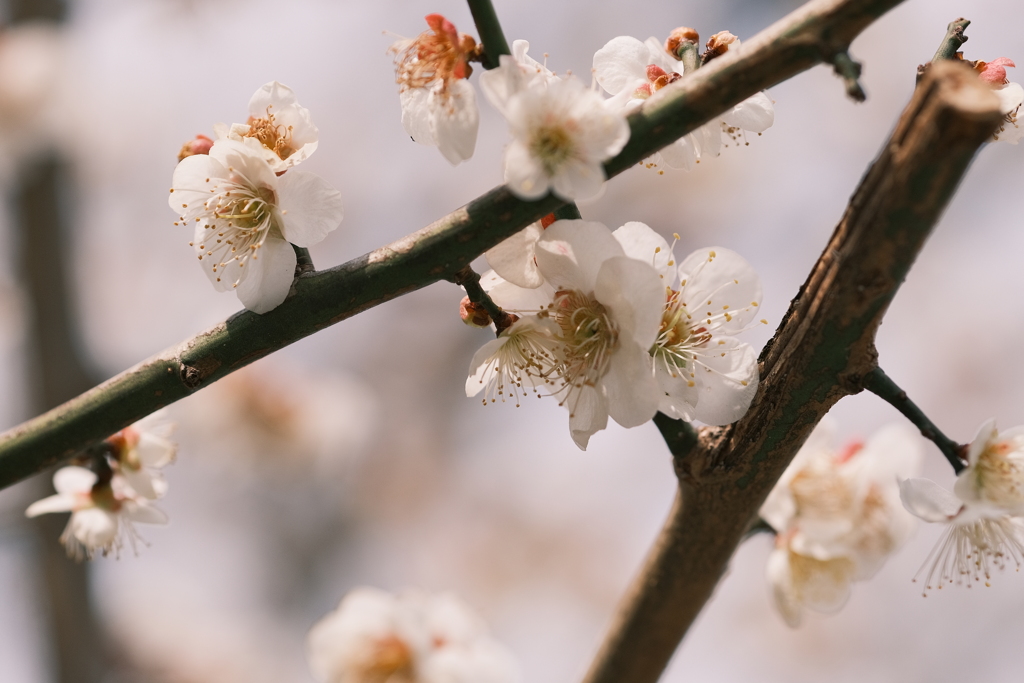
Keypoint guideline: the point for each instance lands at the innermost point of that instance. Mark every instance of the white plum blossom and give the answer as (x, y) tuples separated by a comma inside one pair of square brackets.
[(606, 308), (438, 103), (376, 637), (983, 511), (515, 73), (703, 372), (633, 71), (1011, 96), (279, 128), (562, 133), (102, 513), (837, 517), (244, 216), (140, 451)]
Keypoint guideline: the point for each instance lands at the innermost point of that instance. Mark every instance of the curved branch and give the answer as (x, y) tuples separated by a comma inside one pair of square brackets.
[(806, 37), (819, 354)]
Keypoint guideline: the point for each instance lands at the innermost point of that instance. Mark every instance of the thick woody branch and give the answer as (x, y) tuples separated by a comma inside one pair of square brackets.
[(812, 34), (820, 353)]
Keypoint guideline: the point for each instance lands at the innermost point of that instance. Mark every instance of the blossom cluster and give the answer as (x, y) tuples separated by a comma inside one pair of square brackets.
[(105, 503), (610, 324), (246, 205), (837, 516), (562, 131), (414, 637), (985, 510)]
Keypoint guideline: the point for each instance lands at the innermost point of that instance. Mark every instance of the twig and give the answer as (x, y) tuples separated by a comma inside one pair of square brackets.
[(491, 35), (823, 347), (470, 281), (434, 253), (303, 261), (878, 383), (950, 45), (849, 71)]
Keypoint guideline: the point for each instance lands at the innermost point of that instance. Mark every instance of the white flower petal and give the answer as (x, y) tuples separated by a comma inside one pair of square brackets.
[(588, 414), (621, 64), (513, 259), (681, 154), (57, 503), (268, 277), (1010, 97), (310, 207), (579, 180), (570, 253), (416, 115), (756, 114), (643, 244), (94, 527), (728, 378), (524, 174), (635, 295), (455, 119), (722, 283), (927, 500), (73, 480), (631, 388), (145, 514)]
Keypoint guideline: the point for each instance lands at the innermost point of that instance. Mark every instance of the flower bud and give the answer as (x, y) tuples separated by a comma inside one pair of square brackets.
[(473, 314), (200, 145), (718, 45), (993, 72), (683, 34)]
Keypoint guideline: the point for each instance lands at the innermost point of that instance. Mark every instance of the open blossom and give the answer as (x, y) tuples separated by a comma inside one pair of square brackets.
[(140, 451), (837, 516), (438, 103), (703, 372), (633, 71), (514, 259), (605, 308), (414, 637), (245, 215), (1011, 96), (102, 512), (562, 133), (983, 511), (514, 73), (279, 128)]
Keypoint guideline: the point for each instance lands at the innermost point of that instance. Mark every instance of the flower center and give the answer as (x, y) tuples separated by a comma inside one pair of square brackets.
[(273, 136), (553, 145), (999, 477), (588, 334), (389, 662), (242, 217), (441, 54), (677, 340)]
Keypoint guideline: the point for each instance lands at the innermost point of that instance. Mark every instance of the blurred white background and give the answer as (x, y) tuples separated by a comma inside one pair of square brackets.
[(354, 457)]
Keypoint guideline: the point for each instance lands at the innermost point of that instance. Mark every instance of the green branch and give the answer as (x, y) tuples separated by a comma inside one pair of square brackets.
[(953, 40), (434, 253), (491, 35), (878, 383)]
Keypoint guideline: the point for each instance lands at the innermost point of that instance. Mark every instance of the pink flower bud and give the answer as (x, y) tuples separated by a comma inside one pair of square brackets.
[(200, 145), (473, 314), (994, 72)]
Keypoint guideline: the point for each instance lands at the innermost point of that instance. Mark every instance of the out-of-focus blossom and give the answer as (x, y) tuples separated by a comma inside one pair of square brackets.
[(438, 103), (102, 512), (983, 511), (279, 128), (200, 144), (245, 216), (562, 133), (703, 372), (837, 517), (377, 637), (1011, 96), (515, 73), (140, 451), (633, 71)]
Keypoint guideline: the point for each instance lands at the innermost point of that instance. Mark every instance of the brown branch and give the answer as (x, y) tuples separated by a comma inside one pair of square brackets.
[(820, 353), (810, 35)]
